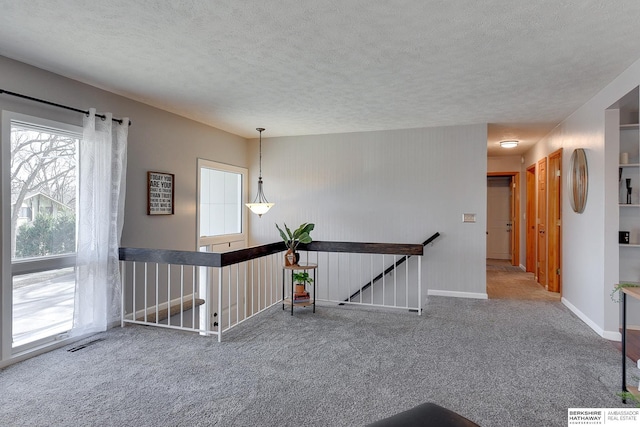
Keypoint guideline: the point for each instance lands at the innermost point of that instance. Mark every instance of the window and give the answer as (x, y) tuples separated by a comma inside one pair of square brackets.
[(221, 195), (39, 167), (43, 174)]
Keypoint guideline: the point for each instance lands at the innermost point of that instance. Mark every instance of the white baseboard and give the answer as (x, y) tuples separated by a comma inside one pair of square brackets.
[(44, 348), (456, 294), (609, 335)]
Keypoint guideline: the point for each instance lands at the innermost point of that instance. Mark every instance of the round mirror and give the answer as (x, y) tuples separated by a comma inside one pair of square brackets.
[(578, 180)]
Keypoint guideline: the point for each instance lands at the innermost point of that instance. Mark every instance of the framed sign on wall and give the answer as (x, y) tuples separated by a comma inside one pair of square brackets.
[(160, 193)]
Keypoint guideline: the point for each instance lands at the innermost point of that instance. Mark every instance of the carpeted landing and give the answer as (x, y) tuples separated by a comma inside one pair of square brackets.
[(505, 281), (497, 362)]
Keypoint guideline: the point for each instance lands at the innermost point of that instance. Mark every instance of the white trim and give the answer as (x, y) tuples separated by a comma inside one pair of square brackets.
[(227, 238), (44, 348), (45, 263), (456, 294), (6, 288), (610, 335), (62, 127), (7, 355)]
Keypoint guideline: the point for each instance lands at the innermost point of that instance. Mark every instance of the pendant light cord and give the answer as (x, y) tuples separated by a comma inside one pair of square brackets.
[(260, 130)]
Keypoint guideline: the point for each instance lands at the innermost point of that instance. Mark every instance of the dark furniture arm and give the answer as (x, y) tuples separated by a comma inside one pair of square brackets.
[(425, 415)]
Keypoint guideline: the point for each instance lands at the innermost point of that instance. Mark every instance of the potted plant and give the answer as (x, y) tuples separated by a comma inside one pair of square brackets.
[(292, 240), (617, 290), (301, 278)]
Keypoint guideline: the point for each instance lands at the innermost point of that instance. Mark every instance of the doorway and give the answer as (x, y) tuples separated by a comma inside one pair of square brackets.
[(544, 221), (499, 217), (503, 216)]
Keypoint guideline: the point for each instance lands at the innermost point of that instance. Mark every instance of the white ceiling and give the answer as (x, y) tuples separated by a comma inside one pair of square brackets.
[(326, 66)]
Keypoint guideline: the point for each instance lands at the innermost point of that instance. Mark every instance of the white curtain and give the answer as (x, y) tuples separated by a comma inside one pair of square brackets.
[(101, 183)]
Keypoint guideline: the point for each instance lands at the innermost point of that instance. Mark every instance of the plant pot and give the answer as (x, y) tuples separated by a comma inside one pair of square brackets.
[(299, 289), (290, 258)]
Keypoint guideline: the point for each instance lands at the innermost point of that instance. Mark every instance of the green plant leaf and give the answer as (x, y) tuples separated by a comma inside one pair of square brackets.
[(304, 228), (300, 235), (302, 277), (283, 236), (305, 238)]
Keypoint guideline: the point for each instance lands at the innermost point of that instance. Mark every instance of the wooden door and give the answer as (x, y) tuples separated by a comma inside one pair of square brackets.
[(541, 270), (554, 230), (531, 236)]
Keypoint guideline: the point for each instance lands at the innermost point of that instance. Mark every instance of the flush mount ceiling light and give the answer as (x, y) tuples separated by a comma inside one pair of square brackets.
[(509, 144), (260, 204)]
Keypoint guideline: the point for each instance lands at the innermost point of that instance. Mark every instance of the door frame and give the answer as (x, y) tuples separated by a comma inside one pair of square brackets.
[(530, 234), (554, 221), (542, 223), (515, 202)]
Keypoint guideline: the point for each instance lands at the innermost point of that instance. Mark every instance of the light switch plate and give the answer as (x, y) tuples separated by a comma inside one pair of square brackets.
[(469, 217)]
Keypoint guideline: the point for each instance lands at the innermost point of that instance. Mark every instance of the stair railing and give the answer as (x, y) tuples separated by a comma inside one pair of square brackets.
[(389, 269), (210, 293)]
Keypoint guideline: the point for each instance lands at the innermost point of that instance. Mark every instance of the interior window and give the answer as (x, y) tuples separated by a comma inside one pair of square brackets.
[(221, 194)]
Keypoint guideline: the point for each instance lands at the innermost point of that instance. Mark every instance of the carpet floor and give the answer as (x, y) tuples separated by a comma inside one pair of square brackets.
[(505, 281), (496, 362)]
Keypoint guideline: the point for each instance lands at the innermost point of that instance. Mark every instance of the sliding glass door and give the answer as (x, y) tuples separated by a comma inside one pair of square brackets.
[(39, 197)]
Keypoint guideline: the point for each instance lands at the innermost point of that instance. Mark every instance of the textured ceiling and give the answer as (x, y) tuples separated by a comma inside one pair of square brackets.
[(326, 66)]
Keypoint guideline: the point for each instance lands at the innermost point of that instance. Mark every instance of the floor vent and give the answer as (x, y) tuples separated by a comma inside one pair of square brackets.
[(81, 346)]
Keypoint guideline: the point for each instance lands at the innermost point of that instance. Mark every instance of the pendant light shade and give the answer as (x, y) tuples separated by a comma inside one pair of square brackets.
[(260, 204)]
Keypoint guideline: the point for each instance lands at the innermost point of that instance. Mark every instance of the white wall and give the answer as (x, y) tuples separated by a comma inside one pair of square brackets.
[(504, 164), (389, 186), (158, 141), (588, 272), (398, 186)]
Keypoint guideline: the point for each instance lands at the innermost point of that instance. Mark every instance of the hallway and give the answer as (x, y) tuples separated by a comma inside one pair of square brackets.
[(505, 281)]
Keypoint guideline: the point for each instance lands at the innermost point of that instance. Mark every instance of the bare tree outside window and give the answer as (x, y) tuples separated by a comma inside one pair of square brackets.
[(43, 186)]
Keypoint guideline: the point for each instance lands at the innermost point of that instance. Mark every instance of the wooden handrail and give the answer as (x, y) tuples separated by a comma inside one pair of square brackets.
[(203, 259), (212, 259), (364, 248)]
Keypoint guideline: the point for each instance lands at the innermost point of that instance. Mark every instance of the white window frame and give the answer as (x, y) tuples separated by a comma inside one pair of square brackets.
[(225, 238), (21, 266)]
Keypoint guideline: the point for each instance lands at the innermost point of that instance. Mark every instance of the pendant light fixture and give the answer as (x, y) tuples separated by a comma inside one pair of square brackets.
[(260, 204)]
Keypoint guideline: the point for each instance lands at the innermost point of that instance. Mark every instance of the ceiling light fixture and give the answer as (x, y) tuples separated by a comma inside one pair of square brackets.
[(508, 144), (260, 204)]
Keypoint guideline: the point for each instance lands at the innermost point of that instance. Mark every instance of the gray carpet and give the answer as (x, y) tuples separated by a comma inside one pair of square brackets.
[(497, 362)]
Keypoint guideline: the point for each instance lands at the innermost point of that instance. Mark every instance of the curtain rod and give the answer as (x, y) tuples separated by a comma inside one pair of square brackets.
[(30, 98)]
